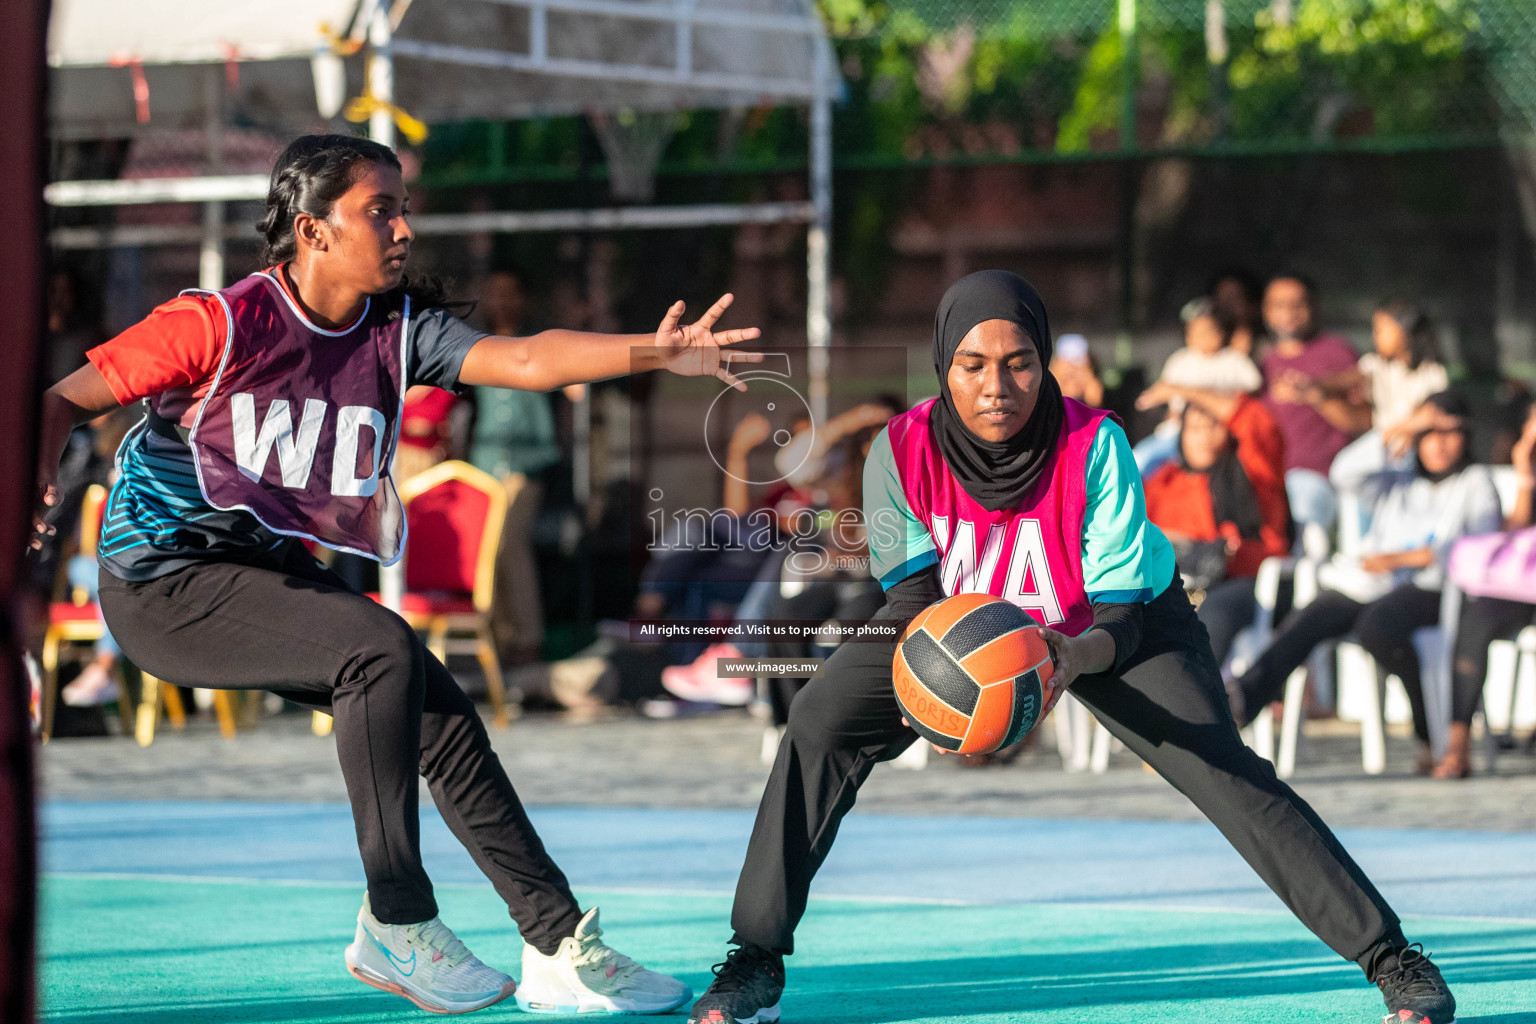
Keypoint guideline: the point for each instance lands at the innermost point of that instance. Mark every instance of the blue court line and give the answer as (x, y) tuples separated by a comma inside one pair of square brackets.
[(963, 859)]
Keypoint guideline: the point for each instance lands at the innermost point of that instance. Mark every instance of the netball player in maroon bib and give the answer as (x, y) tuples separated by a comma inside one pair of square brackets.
[(274, 409), (1002, 486)]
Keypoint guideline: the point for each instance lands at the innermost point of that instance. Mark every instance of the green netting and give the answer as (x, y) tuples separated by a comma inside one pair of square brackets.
[(946, 81), (931, 78)]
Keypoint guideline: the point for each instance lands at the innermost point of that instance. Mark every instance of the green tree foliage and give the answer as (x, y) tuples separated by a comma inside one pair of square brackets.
[(1052, 70), (1393, 67)]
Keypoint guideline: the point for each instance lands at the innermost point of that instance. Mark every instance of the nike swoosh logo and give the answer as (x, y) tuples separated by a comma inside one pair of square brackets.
[(405, 967)]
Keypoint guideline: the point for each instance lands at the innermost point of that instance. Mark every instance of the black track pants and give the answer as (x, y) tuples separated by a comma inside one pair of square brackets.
[(295, 628), (1483, 620), (1166, 704)]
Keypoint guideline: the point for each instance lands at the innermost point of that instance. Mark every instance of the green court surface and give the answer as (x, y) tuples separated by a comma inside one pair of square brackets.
[(173, 950)]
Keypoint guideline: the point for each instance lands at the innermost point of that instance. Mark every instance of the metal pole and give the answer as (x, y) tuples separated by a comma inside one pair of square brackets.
[(818, 319), (1128, 75), (1124, 349), (381, 128), (210, 261), (381, 74)]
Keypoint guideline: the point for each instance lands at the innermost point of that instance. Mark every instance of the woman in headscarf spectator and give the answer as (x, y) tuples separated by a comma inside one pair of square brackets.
[(1222, 504), (1393, 588)]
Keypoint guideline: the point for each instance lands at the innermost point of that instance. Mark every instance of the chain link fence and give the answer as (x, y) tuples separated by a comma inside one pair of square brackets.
[(1047, 79)]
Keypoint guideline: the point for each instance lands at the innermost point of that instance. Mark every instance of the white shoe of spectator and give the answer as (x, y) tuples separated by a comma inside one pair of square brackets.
[(93, 687)]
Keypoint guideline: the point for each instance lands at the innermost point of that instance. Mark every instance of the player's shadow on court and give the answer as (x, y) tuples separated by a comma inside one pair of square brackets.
[(1168, 974)]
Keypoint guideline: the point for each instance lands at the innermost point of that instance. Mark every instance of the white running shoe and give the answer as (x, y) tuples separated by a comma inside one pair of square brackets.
[(93, 687), (586, 976), (426, 963)]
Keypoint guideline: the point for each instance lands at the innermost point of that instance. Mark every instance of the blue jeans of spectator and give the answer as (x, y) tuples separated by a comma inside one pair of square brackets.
[(1312, 497), (1158, 447), (83, 573), (761, 596)]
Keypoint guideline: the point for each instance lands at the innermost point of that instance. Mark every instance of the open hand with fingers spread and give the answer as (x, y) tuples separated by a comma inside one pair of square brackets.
[(694, 350)]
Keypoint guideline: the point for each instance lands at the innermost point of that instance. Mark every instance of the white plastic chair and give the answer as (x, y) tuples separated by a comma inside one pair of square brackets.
[(1253, 640), (1433, 645), (1355, 665), (1081, 751), (1084, 744), (1510, 665), (1312, 549)]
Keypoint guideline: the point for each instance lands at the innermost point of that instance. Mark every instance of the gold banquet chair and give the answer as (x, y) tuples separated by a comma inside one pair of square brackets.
[(455, 513)]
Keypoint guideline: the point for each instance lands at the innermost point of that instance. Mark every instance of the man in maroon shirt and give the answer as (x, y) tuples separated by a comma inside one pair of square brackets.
[(1315, 420)]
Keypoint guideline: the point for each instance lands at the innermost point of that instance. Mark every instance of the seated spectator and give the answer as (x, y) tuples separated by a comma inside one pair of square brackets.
[(1317, 424), (820, 481), (97, 682), (821, 585), (1405, 370), (513, 439), (1396, 378), (1506, 605), (1393, 587), (1207, 362), (1222, 504), (1076, 372), (1237, 294), (423, 430)]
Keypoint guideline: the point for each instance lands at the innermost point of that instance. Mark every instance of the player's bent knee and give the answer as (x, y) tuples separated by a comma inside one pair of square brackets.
[(386, 648)]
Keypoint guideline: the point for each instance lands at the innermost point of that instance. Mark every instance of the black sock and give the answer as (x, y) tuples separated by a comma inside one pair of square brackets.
[(1387, 946)]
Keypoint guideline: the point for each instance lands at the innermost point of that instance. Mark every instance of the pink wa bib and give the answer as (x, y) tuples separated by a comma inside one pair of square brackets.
[(1030, 554)]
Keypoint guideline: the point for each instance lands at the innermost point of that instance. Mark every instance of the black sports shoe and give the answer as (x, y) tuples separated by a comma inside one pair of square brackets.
[(746, 989), (1414, 991)]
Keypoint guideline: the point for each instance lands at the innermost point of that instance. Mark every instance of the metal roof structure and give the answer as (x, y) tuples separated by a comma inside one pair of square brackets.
[(288, 64), (453, 60)]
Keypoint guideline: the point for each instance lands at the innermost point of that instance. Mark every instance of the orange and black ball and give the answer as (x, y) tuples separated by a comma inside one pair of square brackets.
[(972, 673)]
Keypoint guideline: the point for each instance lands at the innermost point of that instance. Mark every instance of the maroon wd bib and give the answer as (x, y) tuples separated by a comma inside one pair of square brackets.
[(300, 423)]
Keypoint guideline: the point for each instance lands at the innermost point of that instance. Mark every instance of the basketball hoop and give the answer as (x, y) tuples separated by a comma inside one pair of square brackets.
[(633, 142)]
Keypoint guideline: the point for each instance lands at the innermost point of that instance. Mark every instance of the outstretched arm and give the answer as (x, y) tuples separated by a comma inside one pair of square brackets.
[(553, 359), (1221, 404)]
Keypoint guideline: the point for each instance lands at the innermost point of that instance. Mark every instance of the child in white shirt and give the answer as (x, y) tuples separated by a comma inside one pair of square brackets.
[(1207, 362)]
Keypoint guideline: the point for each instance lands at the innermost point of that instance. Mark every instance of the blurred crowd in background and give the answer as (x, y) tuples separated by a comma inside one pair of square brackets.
[(1266, 436)]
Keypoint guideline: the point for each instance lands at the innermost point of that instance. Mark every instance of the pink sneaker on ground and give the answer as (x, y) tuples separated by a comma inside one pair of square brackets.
[(700, 682)]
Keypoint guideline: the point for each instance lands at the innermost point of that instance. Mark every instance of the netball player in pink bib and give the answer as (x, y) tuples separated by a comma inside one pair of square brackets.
[(1002, 486), (274, 406)]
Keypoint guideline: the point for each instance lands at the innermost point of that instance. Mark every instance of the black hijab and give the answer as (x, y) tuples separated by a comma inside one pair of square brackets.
[(997, 474), (1233, 499)]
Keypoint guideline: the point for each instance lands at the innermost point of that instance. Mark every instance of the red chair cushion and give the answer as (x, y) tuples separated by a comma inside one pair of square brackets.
[(413, 603), (67, 611), (447, 528)]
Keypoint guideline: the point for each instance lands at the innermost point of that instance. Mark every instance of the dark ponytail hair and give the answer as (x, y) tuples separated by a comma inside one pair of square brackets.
[(1420, 329), (311, 173)]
